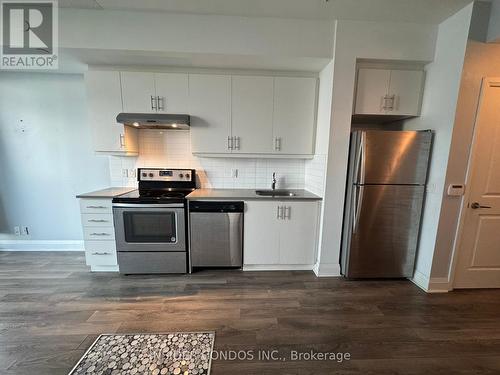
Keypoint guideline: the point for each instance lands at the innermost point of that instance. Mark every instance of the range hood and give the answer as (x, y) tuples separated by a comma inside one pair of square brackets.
[(154, 120)]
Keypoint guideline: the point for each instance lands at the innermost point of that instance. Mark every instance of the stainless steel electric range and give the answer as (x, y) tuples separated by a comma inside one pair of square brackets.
[(150, 223)]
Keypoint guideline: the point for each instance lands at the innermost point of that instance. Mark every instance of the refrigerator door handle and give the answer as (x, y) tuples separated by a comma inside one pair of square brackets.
[(362, 158), (358, 201)]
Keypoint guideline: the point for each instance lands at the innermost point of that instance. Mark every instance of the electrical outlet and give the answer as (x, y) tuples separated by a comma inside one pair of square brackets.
[(17, 230), (234, 173), (26, 231), (125, 172)]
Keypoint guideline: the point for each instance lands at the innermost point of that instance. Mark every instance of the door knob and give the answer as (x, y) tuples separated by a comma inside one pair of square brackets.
[(477, 205)]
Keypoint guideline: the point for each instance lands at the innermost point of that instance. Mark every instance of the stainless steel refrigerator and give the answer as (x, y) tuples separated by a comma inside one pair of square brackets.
[(385, 193)]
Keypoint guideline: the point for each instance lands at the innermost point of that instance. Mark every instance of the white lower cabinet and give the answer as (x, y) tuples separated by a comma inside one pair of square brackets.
[(99, 234), (280, 234)]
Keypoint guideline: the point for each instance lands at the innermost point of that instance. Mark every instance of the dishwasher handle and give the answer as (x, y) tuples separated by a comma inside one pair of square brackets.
[(210, 206)]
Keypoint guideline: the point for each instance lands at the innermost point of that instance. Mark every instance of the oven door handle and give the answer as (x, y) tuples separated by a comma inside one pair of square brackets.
[(154, 205)]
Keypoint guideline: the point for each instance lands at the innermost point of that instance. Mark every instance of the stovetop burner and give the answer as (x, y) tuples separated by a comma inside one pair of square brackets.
[(160, 186)]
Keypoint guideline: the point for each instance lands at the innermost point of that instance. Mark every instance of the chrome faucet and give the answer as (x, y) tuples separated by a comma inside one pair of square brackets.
[(273, 185)]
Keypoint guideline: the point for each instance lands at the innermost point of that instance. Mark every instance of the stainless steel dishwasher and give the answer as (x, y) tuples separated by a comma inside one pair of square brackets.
[(216, 234)]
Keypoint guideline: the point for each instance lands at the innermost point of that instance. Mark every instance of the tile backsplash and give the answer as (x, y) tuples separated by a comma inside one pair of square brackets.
[(172, 149)]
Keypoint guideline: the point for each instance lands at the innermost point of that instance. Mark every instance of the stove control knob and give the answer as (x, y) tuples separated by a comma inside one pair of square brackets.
[(144, 174), (151, 175), (181, 175), (187, 176)]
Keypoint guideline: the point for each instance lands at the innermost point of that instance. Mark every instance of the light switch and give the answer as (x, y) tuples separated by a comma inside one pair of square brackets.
[(456, 190)]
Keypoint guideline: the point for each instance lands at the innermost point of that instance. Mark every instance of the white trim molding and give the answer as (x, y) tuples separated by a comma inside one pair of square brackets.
[(41, 245), (431, 285), (278, 267), (327, 269)]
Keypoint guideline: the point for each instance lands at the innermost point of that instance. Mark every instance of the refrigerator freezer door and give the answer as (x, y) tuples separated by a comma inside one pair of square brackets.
[(392, 157), (384, 231)]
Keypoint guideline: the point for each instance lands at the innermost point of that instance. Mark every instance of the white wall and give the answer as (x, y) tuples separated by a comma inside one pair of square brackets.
[(46, 156), (199, 40), (369, 40), (494, 22), (315, 169), (438, 113)]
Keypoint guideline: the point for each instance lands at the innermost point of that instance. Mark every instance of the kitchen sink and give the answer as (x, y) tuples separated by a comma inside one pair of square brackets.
[(275, 193)]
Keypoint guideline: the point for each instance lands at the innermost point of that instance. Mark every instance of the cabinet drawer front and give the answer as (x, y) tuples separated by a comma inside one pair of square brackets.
[(97, 206), (98, 233), (97, 220), (100, 253)]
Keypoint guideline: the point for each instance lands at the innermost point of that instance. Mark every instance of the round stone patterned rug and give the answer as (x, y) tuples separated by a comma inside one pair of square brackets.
[(181, 353)]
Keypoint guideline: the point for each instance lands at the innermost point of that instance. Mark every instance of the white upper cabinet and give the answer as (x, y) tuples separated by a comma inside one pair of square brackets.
[(252, 114), (172, 93), (294, 115), (395, 92), (406, 89), (210, 110), (373, 86), (138, 92), (104, 102)]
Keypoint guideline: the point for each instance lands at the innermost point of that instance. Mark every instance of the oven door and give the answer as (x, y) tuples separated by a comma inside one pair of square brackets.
[(149, 227)]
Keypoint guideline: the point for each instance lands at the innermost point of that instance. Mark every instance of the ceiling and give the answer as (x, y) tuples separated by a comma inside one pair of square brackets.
[(417, 11)]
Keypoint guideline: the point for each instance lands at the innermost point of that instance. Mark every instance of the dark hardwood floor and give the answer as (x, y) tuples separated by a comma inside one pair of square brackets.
[(52, 308)]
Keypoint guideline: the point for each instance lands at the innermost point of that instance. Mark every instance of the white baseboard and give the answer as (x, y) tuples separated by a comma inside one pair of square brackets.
[(41, 245), (431, 285), (439, 285), (278, 267), (105, 268), (327, 270)]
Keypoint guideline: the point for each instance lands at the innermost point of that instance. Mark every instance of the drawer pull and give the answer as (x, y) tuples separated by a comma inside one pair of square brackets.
[(98, 253), (97, 207), (100, 234), (98, 221)]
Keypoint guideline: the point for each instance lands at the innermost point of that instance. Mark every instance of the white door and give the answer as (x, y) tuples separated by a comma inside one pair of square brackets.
[(298, 233), (261, 233), (478, 263), (406, 86), (210, 110), (104, 103), (138, 92), (252, 114), (372, 87), (172, 92), (294, 115)]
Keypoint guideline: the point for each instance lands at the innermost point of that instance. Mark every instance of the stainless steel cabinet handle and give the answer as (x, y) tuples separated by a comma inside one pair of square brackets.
[(161, 102), (100, 234), (97, 207), (275, 143), (229, 143), (388, 102), (278, 144), (122, 140), (278, 212), (153, 103), (98, 253), (477, 205), (97, 221), (289, 214), (237, 143)]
